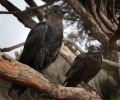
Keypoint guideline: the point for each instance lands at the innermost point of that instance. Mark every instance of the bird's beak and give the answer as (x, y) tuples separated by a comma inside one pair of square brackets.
[(66, 10)]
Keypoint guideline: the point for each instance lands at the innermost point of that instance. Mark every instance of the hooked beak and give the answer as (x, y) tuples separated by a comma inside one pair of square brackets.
[(66, 10)]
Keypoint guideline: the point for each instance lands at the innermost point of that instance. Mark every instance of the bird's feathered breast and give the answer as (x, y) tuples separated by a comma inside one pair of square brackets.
[(93, 60)]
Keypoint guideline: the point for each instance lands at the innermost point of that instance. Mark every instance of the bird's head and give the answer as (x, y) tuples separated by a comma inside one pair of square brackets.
[(57, 11), (93, 54)]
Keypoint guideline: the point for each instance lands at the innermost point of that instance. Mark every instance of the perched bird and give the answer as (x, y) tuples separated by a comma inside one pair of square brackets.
[(83, 69), (43, 42)]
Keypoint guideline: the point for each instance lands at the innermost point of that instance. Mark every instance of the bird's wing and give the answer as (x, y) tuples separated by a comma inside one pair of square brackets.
[(78, 62), (34, 42)]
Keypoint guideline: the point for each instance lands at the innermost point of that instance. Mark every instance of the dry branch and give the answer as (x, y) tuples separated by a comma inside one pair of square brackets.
[(67, 54), (12, 47), (74, 44), (11, 70), (23, 18)]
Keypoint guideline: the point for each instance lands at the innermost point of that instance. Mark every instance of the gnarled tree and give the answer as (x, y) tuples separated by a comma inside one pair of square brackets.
[(98, 17)]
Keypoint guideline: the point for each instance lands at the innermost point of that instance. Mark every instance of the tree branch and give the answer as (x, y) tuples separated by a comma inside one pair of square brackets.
[(12, 47), (11, 70), (113, 11), (23, 18), (74, 44), (116, 35), (97, 19), (112, 63), (67, 54), (102, 15), (18, 12), (92, 25), (39, 13)]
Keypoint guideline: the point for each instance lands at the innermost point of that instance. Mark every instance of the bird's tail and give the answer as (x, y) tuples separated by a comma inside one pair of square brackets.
[(11, 88), (70, 84), (63, 83), (15, 87)]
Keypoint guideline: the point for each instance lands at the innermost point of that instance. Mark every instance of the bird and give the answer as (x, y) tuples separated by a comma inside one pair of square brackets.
[(43, 43), (84, 68)]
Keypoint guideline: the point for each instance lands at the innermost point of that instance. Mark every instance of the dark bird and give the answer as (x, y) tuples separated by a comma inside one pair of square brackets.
[(83, 69), (43, 42)]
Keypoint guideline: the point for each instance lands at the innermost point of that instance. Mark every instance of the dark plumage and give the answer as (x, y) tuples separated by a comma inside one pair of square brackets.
[(83, 69), (43, 43)]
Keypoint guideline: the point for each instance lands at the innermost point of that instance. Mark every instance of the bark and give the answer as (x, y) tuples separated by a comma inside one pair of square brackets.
[(11, 70), (96, 17), (102, 13), (39, 13), (74, 44), (94, 28), (116, 35)]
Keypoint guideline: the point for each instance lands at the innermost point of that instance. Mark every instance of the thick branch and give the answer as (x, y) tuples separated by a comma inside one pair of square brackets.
[(113, 11), (116, 35), (112, 63), (66, 53), (102, 15), (97, 19), (92, 25), (39, 13), (14, 71)]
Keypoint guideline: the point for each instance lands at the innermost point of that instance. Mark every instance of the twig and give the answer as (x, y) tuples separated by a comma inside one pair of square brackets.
[(12, 47), (30, 8)]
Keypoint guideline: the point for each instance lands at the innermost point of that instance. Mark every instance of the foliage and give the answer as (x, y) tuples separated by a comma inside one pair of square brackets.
[(17, 54)]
